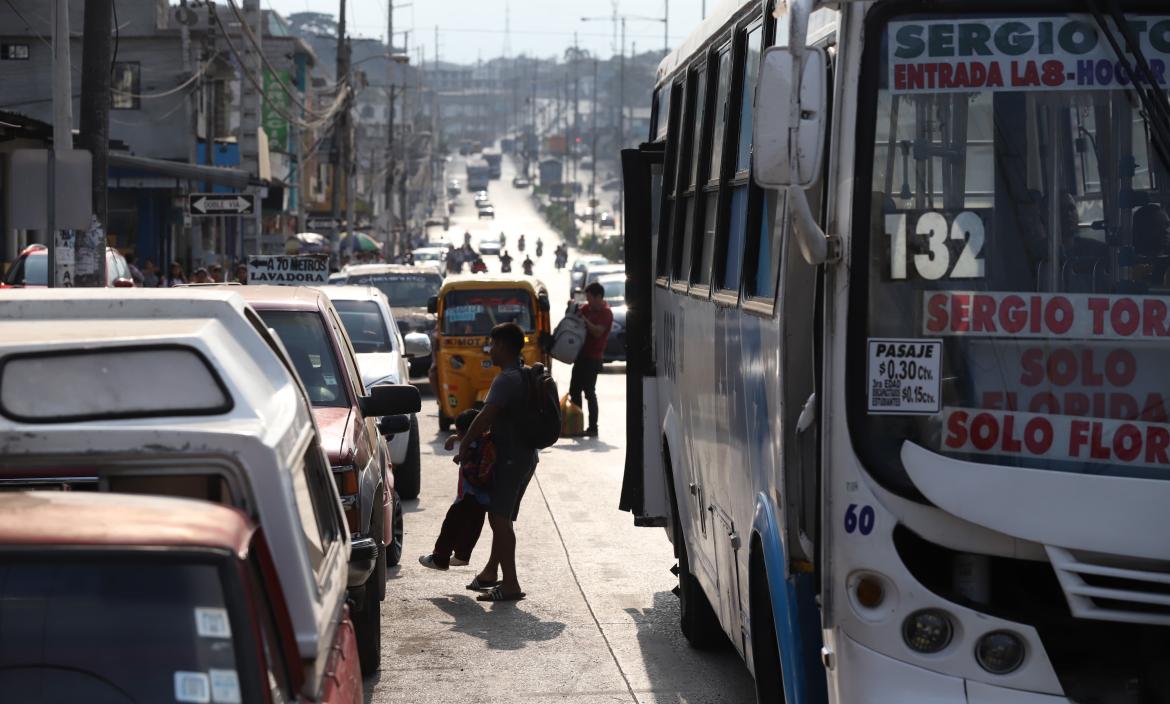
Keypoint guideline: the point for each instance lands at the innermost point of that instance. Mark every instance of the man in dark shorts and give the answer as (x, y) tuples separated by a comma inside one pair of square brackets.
[(598, 322), (515, 461)]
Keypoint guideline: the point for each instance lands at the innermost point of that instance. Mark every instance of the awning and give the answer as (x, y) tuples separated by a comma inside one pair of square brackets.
[(235, 178)]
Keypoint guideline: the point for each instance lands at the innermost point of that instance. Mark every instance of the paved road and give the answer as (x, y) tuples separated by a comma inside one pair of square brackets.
[(600, 623)]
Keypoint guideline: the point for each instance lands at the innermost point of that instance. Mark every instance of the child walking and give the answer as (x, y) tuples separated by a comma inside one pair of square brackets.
[(464, 521)]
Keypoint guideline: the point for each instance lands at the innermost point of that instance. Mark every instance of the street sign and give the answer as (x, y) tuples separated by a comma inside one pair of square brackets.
[(322, 223), (288, 270), (221, 204)]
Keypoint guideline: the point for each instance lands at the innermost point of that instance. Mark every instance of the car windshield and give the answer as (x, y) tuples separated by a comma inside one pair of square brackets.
[(31, 270), (477, 312), (403, 290), (1016, 248), (114, 629), (365, 325), (615, 290), (308, 343)]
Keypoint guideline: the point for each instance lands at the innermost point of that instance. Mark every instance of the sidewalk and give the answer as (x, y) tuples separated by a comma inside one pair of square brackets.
[(599, 624)]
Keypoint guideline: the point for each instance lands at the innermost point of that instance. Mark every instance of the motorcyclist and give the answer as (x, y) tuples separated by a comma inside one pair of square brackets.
[(528, 264), (539, 247), (505, 262), (520, 243)]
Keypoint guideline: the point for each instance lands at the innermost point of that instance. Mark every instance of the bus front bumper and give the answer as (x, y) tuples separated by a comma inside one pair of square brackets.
[(860, 674)]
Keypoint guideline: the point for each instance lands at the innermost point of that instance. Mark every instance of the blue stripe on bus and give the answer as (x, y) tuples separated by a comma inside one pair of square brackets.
[(794, 612)]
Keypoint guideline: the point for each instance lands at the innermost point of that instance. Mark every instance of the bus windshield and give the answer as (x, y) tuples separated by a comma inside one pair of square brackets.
[(1016, 248)]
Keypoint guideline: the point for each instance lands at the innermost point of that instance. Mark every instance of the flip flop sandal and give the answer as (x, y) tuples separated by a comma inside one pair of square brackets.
[(478, 585), (497, 594), (429, 562)]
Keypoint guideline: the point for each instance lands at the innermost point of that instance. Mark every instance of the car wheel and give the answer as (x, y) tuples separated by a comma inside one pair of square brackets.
[(367, 625), (394, 549), (408, 475)]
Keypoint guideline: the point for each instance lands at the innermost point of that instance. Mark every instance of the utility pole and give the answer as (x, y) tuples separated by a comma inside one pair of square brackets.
[(59, 248), (576, 113), (391, 70), (340, 151), (621, 122), (250, 122), (193, 106), (593, 146), (95, 130)]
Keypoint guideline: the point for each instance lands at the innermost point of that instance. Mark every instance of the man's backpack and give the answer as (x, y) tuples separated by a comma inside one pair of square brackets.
[(540, 424)]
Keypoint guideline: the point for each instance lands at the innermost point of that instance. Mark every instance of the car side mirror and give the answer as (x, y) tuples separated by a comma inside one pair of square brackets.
[(789, 134), (393, 425), (433, 304), (417, 345), (542, 303), (123, 283), (391, 400)]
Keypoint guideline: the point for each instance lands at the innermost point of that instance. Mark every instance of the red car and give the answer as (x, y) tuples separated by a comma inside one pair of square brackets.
[(114, 598), (312, 333), (32, 266)]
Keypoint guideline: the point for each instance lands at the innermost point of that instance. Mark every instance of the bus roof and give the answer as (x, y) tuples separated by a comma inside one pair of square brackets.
[(725, 13), (487, 281)]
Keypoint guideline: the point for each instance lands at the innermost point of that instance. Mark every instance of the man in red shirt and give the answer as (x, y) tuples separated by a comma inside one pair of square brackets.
[(598, 321)]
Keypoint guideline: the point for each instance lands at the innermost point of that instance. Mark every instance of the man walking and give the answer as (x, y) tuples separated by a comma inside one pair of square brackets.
[(515, 460), (598, 322)]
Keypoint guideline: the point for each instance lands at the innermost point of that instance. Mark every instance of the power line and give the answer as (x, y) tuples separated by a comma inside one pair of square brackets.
[(247, 32), (343, 89)]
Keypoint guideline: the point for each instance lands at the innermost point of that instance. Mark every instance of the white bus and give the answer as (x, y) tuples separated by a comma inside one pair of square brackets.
[(899, 305)]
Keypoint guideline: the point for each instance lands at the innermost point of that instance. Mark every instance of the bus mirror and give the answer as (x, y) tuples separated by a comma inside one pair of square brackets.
[(789, 135), (542, 302), (433, 304)]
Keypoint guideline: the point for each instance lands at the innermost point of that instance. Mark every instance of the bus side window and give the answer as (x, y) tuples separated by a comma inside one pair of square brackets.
[(730, 257), (711, 170), (669, 178), (684, 231)]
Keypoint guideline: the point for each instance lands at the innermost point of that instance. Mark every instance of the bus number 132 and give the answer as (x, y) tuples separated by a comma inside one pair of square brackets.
[(935, 260)]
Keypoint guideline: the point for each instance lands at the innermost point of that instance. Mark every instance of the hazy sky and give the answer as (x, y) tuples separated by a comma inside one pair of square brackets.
[(473, 29)]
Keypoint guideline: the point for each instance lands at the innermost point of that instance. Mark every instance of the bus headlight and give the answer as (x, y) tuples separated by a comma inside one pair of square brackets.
[(1000, 652), (927, 631)]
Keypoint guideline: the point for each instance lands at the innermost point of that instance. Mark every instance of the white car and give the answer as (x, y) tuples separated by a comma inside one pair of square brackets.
[(382, 355), (430, 255)]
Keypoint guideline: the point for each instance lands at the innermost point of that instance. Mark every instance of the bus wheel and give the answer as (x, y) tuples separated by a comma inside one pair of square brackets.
[(765, 651), (697, 619)]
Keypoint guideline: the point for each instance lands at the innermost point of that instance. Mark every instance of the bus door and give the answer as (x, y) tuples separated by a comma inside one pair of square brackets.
[(644, 484)]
